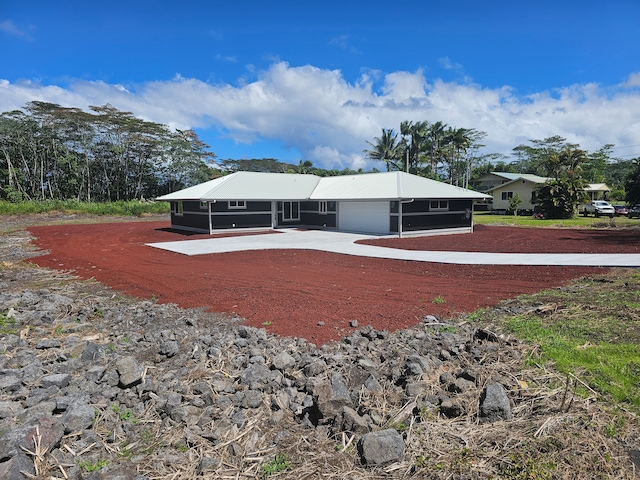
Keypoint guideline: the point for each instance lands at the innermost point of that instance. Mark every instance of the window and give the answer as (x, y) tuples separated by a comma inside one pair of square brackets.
[(290, 211), (439, 205), (204, 205), (322, 207), (507, 195), (179, 208), (237, 204)]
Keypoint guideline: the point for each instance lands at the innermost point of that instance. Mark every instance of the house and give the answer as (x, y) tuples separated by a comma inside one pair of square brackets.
[(597, 191), (503, 186), (379, 203), (524, 185)]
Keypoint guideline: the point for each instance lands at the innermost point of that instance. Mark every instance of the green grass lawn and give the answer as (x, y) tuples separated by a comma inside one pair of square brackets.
[(592, 333), (487, 218)]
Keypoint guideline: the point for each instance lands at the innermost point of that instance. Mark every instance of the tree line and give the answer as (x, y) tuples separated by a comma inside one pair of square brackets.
[(48, 151), (450, 154), (433, 150), (52, 152)]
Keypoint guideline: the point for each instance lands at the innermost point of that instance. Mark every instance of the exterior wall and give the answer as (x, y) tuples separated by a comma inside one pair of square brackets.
[(255, 215), (424, 215), (192, 218), (417, 215), (310, 215), (523, 188)]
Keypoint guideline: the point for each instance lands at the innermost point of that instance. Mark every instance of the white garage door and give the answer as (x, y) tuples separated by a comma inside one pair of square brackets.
[(368, 217)]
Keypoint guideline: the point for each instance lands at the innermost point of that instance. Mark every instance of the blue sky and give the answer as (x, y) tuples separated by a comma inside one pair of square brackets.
[(313, 80)]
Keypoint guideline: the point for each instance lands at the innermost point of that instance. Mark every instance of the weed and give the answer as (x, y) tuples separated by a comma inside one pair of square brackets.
[(527, 469), (122, 208), (124, 414), (59, 331), (99, 312), (111, 347), (614, 428), (279, 464), (93, 466), (181, 446), (438, 300), (448, 328), (7, 325), (399, 427)]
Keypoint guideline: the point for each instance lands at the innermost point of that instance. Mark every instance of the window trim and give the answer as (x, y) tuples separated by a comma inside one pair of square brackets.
[(204, 205), (179, 208), (290, 218), (443, 206), (239, 204), (506, 196), (322, 207)]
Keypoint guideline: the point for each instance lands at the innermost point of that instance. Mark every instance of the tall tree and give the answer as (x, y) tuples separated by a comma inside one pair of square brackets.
[(414, 145), (387, 149), (560, 196), (632, 184), (57, 152)]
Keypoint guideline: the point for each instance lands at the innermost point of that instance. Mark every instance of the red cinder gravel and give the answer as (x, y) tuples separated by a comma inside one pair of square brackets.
[(314, 294)]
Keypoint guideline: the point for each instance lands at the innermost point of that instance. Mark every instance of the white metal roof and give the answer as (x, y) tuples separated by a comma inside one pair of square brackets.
[(597, 187), (525, 176), (250, 186), (388, 185), (287, 186)]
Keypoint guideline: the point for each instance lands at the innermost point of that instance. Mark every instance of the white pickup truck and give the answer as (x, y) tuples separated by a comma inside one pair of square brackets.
[(598, 208)]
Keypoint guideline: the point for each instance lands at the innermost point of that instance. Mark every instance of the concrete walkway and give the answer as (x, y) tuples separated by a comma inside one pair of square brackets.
[(340, 242)]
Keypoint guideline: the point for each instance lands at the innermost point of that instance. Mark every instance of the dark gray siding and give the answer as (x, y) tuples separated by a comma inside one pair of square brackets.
[(192, 218), (195, 216), (253, 215), (310, 214), (419, 215)]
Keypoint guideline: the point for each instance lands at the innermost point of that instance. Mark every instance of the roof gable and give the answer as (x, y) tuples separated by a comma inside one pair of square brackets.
[(525, 177)]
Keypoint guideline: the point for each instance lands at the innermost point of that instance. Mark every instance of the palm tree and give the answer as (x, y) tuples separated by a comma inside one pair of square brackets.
[(386, 148), (435, 142), (457, 140), (415, 135)]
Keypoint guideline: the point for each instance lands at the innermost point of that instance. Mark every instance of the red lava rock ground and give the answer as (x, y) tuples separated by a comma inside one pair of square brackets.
[(290, 291)]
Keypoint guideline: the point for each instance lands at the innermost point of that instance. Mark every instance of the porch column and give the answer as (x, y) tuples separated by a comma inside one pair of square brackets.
[(274, 215), (399, 218)]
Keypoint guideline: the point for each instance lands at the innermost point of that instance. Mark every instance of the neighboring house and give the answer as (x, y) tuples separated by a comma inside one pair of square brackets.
[(522, 184), (597, 191), (503, 186), (379, 203)]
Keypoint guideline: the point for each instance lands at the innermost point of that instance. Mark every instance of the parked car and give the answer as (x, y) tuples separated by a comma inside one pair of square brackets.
[(621, 210), (634, 211), (598, 208)]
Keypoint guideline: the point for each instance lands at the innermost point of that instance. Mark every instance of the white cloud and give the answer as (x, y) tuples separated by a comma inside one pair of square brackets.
[(447, 64), (8, 27), (633, 81), (226, 58), (318, 113), (341, 41)]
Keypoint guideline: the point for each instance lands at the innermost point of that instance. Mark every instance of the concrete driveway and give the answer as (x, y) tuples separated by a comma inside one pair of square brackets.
[(344, 243)]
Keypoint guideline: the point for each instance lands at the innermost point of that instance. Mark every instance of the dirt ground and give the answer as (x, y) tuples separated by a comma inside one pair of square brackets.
[(317, 295)]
